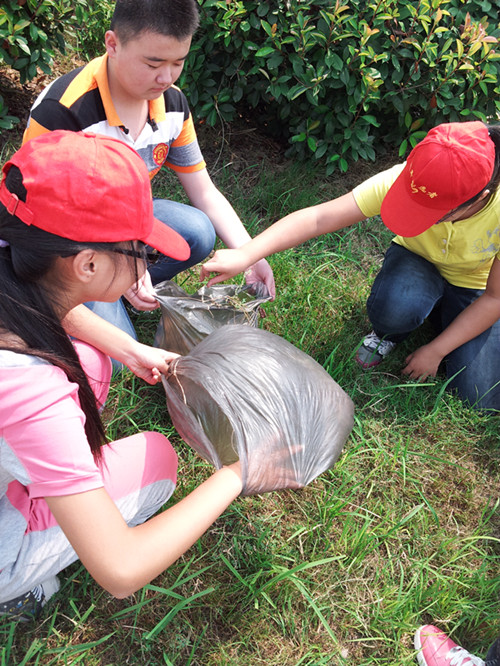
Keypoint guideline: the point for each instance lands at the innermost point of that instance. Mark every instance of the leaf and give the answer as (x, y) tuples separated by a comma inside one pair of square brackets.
[(311, 143), (296, 91), (372, 120), (265, 51)]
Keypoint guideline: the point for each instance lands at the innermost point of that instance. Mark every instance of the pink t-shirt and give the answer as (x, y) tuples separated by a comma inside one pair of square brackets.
[(42, 435), (43, 446)]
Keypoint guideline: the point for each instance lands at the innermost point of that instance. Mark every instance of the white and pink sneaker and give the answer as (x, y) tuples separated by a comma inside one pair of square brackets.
[(436, 649)]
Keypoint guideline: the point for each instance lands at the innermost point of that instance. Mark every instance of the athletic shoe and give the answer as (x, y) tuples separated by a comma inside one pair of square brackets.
[(373, 351), (29, 605), (436, 649)]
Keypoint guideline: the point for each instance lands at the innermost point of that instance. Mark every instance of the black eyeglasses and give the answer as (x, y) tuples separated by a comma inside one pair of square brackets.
[(151, 257)]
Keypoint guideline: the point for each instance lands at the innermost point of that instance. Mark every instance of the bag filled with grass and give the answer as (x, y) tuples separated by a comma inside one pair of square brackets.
[(244, 393), (188, 318)]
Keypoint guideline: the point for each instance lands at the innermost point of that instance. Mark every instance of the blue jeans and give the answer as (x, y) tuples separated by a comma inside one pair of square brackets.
[(493, 656), (193, 225), (409, 289)]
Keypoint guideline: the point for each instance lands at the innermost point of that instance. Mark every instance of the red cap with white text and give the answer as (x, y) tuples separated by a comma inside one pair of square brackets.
[(451, 165)]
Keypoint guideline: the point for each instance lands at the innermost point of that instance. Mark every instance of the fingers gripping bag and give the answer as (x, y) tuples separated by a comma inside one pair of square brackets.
[(187, 318), (244, 393)]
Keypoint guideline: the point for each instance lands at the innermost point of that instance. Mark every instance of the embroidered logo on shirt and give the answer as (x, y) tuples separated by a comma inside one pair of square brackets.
[(420, 188), (490, 247), (160, 153)]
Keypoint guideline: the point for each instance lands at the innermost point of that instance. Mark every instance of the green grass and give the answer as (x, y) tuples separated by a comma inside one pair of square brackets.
[(404, 530)]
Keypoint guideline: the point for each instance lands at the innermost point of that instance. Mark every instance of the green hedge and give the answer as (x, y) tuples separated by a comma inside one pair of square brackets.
[(340, 80), (30, 32)]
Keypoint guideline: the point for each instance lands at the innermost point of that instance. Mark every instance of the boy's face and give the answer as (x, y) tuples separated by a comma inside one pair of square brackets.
[(144, 67)]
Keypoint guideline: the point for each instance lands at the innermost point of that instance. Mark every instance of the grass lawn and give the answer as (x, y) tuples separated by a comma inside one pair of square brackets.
[(404, 530)]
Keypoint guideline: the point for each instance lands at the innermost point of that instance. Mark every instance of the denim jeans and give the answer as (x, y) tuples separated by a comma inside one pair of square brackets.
[(409, 289), (195, 227), (493, 656)]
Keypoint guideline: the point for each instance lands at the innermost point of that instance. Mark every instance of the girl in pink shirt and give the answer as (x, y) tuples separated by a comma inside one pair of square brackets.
[(75, 219)]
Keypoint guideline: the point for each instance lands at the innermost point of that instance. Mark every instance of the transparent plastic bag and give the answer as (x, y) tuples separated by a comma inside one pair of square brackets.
[(244, 393), (188, 318)]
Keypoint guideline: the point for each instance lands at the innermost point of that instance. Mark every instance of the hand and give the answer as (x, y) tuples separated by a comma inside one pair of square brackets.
[(227, 263), (149, 363), (141, 295), (274, 468), (422, 363), (261, 279)]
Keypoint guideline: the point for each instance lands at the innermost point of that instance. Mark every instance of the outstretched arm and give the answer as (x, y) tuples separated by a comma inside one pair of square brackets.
[(204, 195), (123, 559), (288, 232), (146, 362), (474, 320)]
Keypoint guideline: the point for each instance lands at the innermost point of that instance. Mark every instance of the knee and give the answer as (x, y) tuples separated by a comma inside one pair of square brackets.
[(137, 461), (200, 237), (480, 398), (159, 477), (161, 458), (97, 367), (191, 223), (392, 313), (473, 390)]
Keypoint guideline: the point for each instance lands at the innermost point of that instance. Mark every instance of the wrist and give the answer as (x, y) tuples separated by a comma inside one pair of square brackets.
[(231, 479), (126, 351), (249, 255), (437, 349)]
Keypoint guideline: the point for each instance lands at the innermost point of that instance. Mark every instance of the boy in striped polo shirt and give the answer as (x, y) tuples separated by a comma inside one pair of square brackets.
[(129, 94)]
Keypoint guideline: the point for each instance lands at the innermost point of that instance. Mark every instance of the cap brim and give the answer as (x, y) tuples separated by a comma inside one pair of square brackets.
[(167, 241), (405, 217)]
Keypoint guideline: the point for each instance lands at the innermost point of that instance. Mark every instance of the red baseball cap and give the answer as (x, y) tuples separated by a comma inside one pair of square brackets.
[(90, 189), (451, 165)]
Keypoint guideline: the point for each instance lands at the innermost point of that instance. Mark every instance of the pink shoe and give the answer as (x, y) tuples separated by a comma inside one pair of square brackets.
[(436, 649)]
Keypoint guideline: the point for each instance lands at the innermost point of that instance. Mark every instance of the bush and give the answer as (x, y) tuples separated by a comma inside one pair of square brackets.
[(96, 20), (338, 81), (30, 32), (7, 122), (341, 81)]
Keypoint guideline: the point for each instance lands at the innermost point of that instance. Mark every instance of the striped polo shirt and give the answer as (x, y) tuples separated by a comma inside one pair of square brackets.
[(81, 101)]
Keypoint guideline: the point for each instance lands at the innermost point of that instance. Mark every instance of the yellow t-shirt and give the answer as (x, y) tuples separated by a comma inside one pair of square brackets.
[(463, 251)]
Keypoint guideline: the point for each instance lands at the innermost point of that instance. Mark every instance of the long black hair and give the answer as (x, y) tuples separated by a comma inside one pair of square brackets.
[(28, 310)]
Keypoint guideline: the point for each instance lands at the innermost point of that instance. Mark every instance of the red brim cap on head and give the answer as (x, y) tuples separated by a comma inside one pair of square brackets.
[(90, 189), (406, 215), (167, 241), (449, 167)]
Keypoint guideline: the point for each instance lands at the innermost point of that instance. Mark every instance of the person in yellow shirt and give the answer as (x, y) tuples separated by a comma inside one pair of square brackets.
[(444, 262)]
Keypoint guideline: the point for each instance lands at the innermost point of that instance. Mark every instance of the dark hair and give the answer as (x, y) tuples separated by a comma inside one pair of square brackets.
[(492, 185), (172, 18), (27, 309)]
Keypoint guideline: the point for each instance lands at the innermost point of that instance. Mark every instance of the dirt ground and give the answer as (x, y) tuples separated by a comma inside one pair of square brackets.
[(19, 97)]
